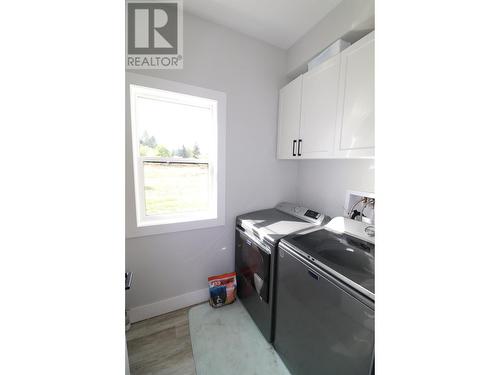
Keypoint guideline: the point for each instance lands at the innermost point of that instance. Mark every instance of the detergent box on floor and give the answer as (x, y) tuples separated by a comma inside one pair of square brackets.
[(222, 289)]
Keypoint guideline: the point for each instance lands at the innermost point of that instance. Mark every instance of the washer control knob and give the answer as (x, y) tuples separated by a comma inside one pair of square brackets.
[(297, 209)]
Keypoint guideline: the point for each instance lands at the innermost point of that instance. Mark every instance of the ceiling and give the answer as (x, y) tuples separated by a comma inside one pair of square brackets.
[(278, 22)]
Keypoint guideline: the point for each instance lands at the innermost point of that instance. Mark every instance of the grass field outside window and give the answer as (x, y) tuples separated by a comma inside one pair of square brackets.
[(172, 188)]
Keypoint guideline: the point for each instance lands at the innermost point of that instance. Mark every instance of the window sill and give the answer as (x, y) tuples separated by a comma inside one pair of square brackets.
[(134, 231)]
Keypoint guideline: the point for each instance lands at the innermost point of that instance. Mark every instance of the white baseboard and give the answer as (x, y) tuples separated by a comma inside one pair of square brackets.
[(139, 313)]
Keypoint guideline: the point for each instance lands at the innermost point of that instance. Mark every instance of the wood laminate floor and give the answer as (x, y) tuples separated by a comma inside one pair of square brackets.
[(161, 345)]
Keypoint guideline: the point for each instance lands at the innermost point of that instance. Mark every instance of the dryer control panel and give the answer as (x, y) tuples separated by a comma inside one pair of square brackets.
[(303, 213)]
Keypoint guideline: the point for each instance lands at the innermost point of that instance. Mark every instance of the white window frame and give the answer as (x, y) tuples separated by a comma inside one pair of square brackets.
[(137, 223)]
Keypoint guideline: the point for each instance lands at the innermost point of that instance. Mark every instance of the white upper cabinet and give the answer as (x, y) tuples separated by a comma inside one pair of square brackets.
[(328, 112), (289, 119), (319, 110), (356, 115)]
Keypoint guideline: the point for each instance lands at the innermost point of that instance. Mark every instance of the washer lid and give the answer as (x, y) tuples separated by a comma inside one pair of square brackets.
[(346, 257), (271, 224)]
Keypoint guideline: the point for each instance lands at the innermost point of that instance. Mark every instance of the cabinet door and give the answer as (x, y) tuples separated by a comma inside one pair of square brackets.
[(356, 116), (319, 110), (289, 119)]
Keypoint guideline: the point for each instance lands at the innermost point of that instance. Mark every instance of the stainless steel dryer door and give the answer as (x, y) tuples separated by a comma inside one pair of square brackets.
[(253, 263), (254, 273), (321, 327)]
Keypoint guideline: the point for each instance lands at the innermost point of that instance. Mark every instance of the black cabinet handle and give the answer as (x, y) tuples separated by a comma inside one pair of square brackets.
[(293, 147), (128, 280), (298, 152)]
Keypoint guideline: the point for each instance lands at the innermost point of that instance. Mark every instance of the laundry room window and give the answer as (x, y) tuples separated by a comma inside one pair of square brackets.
[(178, 159)]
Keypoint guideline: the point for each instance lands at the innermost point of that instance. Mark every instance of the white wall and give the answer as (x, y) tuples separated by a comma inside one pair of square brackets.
[(322, 184), (350, 20), (250, 73)]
